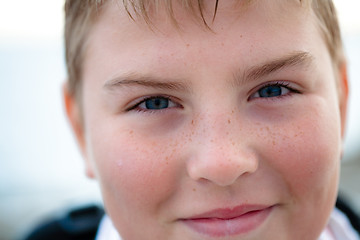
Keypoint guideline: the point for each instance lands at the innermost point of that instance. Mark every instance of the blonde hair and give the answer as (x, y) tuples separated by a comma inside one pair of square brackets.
[(81, 14)]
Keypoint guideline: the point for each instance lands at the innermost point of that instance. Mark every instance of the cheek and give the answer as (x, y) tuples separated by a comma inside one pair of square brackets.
[(305, 151), (306, 156), (136, 171)]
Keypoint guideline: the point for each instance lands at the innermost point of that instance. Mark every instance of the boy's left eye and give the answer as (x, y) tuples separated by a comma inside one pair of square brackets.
[(155, 103), (273, 90)]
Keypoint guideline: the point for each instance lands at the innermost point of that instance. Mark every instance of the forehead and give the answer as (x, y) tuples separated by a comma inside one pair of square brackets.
[(179, 15), (250, 25), (150, 10)]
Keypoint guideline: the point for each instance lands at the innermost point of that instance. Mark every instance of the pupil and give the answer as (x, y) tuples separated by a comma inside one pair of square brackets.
[(271, 91)]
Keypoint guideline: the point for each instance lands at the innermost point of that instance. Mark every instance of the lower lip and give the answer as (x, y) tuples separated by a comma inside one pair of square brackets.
[(216, 227)]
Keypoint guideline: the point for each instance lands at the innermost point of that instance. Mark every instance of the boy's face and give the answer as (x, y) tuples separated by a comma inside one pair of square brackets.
[(182, 127)]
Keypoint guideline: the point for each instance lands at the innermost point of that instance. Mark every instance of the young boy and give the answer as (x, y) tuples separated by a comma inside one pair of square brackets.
[(210, 119)]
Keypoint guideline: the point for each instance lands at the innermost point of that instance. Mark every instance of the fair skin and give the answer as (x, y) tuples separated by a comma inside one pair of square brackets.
[(245, 116)]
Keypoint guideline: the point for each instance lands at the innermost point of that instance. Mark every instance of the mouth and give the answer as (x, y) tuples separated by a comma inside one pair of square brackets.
[(229, 221)]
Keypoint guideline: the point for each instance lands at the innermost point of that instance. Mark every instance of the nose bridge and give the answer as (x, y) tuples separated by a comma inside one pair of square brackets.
[(218, 128), (222, 153)]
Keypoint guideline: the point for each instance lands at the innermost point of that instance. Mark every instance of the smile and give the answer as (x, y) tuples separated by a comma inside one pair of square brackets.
[(229, 221)]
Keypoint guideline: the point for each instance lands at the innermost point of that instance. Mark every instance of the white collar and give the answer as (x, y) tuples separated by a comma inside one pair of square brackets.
[(107, 230), (338, 228)]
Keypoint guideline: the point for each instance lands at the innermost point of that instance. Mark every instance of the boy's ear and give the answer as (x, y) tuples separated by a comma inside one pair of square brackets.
[(343, 95), (74, 115)]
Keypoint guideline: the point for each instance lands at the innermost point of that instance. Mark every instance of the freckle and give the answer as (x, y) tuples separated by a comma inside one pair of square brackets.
[(229, 121), (194, 189), (241, 36), (192, 122), (187, 45)]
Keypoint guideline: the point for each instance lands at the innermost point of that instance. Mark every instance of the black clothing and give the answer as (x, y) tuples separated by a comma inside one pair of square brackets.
[(79, 224)]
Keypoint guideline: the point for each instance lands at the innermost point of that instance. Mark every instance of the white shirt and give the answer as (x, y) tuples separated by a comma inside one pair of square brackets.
[(107, 230), (338, 228)]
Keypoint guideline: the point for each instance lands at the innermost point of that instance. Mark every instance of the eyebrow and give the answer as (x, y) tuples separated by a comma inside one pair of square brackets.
[(299, 58), (135, 79)]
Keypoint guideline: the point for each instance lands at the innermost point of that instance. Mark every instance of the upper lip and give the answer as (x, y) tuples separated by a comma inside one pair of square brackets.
[(229, 213)]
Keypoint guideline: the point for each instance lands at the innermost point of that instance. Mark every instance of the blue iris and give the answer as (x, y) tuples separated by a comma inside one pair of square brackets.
[(270, 91), (157, 103)]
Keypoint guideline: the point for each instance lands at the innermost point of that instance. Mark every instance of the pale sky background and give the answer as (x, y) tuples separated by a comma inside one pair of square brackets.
[(43, 19), (41, 170), (31, 20)]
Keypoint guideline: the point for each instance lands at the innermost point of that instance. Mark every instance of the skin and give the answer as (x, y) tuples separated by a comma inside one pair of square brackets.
[(218, 144)]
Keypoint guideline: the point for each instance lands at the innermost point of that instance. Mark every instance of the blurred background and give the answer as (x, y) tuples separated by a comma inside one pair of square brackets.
[(41, 170)]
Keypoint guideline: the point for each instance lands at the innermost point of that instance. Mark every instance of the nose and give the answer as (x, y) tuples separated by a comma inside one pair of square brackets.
[(221, 154)]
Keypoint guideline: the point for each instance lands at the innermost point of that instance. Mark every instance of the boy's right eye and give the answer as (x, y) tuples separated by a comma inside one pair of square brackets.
[(155, 103)]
